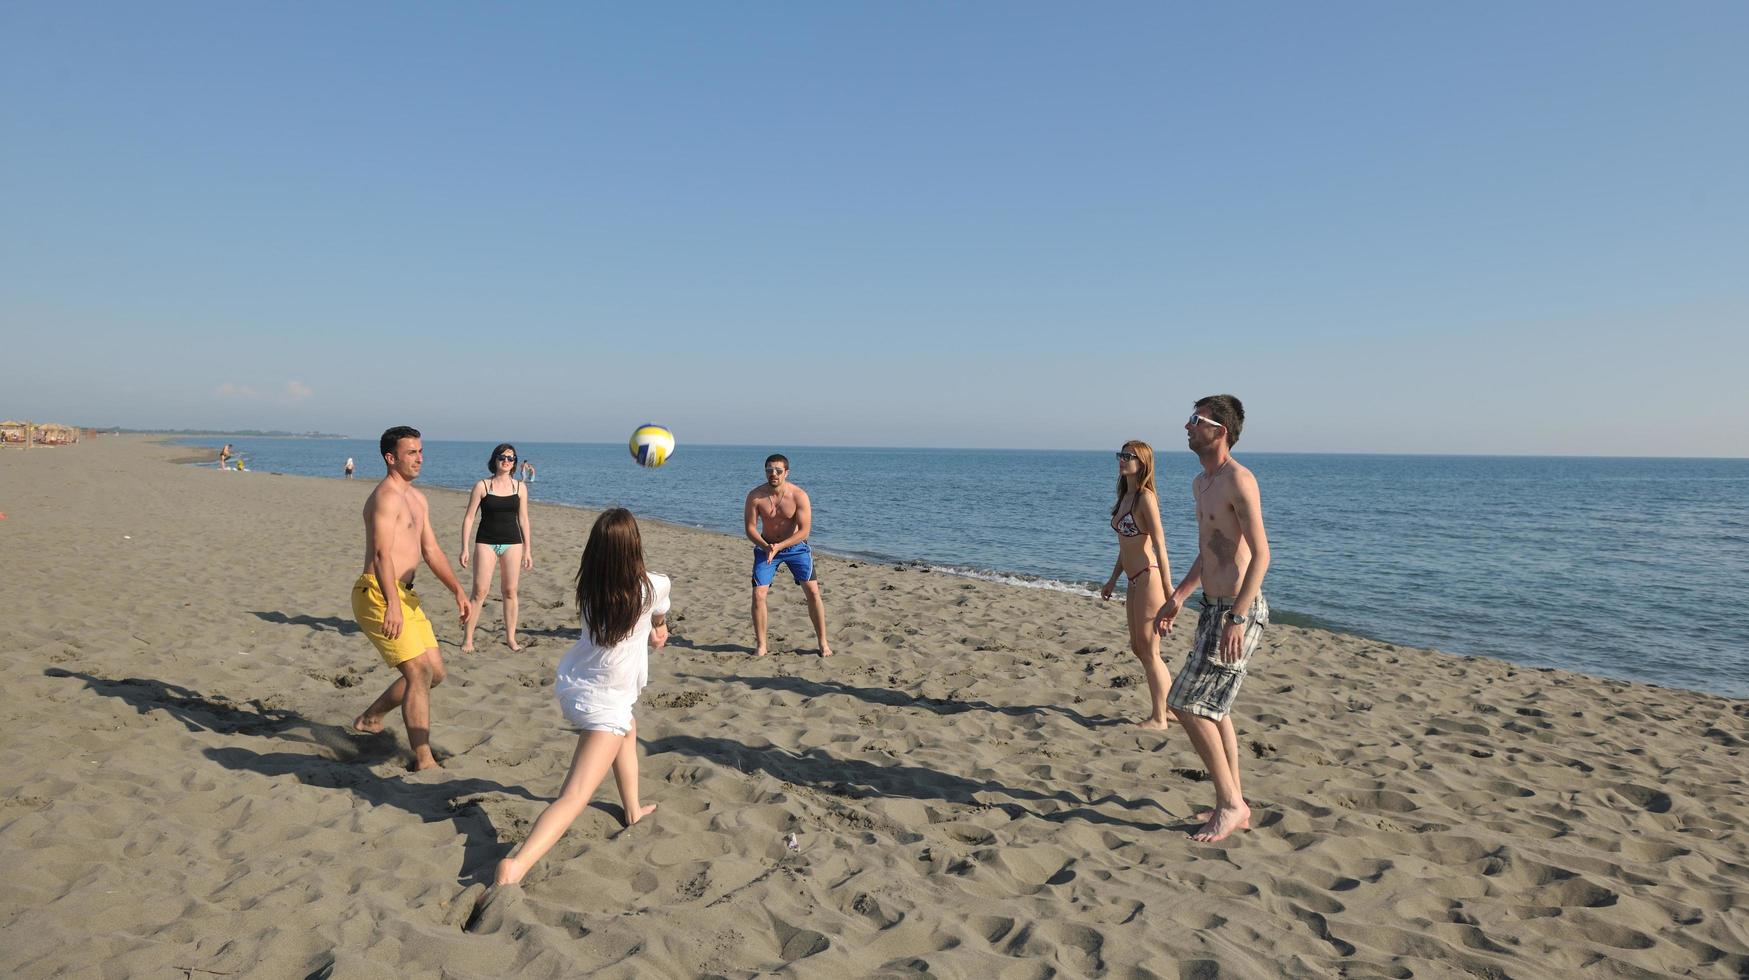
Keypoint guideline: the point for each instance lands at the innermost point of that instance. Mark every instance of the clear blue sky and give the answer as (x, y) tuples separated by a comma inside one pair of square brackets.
[(1492, 227)]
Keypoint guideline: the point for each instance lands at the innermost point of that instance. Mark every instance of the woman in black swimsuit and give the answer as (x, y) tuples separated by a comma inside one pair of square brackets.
[(502, 503), (1141, 555)]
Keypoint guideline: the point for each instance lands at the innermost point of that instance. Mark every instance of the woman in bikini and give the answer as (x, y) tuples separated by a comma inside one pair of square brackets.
[(1141, 556), (502, 504)]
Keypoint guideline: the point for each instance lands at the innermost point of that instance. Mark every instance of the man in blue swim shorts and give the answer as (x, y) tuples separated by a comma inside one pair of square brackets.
[(778, 517)]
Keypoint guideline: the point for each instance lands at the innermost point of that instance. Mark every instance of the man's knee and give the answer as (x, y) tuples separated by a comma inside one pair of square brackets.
[(418, 670), (426, 669), (759, 592)]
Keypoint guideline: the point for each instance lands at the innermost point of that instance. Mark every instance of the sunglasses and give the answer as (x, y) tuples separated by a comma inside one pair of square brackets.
[(774, 469), (1200, 419), (1128, 457), (504, 458)]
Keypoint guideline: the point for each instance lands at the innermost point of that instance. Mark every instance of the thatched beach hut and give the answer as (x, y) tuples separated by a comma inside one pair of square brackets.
[(56, 434)]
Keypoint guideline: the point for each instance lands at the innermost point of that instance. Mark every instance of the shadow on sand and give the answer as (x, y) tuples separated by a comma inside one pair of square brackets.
[(810, 688), (856, 780), (326, 624), (327, 756), (686, 644), (566, 633)]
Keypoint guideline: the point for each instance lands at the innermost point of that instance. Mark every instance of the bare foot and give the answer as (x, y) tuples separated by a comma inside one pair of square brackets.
[(514, 645), (1206, 815), (420, 764), (468, 647), (633, 816), (1154, 724), (366, 725), (1225, 821), (509, 873), (759, 652), (825, 651)]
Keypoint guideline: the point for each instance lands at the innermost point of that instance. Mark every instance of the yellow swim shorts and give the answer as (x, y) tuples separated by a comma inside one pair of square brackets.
[(368, 607)]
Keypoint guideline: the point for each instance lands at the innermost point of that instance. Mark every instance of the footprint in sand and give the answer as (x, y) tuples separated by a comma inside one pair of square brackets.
[(796, 943), (462, 908), (496, 907)]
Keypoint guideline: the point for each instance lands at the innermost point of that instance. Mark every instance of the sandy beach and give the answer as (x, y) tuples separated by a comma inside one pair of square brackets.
[(180, 794)]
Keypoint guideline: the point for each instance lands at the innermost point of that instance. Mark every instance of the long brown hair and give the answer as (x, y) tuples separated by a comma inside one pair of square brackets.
[(612, 585), (1145, 460)]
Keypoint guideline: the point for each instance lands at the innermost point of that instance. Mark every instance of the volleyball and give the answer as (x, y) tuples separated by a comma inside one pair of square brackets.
[(652, 445)]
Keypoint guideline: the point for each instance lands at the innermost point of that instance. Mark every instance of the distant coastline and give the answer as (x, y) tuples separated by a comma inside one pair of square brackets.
[(230, 433)]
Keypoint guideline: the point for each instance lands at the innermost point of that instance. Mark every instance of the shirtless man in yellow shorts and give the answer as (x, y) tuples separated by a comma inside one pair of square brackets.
[(397, 533)]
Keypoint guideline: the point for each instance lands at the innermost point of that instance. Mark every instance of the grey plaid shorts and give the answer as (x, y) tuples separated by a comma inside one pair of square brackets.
[(1205, 686)]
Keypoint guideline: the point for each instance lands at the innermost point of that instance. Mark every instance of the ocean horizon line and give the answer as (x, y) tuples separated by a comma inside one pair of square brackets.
[(980, 449)]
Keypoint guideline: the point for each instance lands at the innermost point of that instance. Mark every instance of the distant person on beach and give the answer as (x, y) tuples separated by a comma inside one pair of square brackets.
[(225, 457), (528, 471), (624, 610), (397, 534), (349, 467), (1231, 559), (1141, 557), (503, 536), (778, 517)]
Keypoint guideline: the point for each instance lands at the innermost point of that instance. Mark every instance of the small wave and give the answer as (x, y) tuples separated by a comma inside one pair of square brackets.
[(1008, 578)]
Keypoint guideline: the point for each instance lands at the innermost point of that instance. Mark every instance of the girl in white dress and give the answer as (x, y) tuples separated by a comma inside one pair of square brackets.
[(624, 612)]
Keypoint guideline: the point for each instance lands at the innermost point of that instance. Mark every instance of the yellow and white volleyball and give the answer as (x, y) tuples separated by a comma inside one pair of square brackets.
[(652, 445)]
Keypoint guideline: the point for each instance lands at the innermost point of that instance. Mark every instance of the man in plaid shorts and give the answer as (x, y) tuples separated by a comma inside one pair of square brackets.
[(1231, 559)]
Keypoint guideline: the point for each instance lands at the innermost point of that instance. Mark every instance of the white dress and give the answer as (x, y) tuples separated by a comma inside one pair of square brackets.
[(598, 686)]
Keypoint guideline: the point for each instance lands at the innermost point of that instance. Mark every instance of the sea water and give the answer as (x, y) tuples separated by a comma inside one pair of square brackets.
[(1628, 568)]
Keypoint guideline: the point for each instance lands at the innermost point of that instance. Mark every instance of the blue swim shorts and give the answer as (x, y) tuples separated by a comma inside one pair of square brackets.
[(799, 558)]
